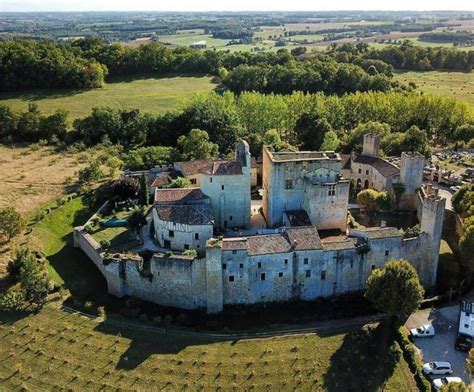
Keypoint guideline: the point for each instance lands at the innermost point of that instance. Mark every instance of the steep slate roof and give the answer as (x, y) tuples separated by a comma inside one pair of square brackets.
[(186, 214), (346, 161), (304, 238), (384, 167), (218, 168), (175, 195), (381, 232)]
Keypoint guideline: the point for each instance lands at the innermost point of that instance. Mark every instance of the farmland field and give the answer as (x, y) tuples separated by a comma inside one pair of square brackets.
[(56, 350), (457, 85), (153, 95)]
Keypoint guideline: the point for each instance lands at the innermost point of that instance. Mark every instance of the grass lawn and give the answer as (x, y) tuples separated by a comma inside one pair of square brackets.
[(457, 85), (68, 266), (153, 95), (56, 350)]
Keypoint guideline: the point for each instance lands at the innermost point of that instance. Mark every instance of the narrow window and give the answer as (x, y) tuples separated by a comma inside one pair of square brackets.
[(262, 276), (241, 265), (373, 267), (231, 278), (186, 246), (171, 233), (323, 275), (360, 171), (308, 273), (286, 261), (224, 266), (196, 236), (280, 274), (193, 181), (387, 253), (289, 184), (234, 252), (367, 172), (210, 180), (305, 260), (230, 218), (222, 187), (259, 265), (352, 263)]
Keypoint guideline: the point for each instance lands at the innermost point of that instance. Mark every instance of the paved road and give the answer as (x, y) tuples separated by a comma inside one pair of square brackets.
[(440, 347)]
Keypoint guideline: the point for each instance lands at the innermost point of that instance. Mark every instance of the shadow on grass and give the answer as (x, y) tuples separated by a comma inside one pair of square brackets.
[(365, 361)]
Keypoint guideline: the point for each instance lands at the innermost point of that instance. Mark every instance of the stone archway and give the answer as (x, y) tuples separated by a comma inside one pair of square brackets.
[(366, 184)]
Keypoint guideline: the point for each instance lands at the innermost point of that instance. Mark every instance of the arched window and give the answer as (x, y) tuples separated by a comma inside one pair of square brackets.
[(366, 184)]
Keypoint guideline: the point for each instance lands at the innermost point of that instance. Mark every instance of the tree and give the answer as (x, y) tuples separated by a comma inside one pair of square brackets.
[(127, 188), (395, 290), (91, 173), (33, 280), (143, 193), (181, 182), (415, 140), (466, 246), (330, 141), (197, 145), (367, 198), (464, 133), (114, 164), (470, 363), (398, 190), (11, 222), (384, 201), (136, 220), (455, 387), (310, 130)]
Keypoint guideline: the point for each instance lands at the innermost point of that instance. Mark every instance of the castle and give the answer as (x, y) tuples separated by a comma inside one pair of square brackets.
[(305, 251)]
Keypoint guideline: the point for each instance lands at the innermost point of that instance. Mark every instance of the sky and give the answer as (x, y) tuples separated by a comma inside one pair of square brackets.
[(236, 5)]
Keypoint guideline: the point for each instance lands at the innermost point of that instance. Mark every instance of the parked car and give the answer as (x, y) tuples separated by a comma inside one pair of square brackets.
[(454, 188), (440, 382), (437, 367), (423, 331)]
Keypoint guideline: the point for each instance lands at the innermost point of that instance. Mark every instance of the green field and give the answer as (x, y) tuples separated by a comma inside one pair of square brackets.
[(153, 95), (54, 350), (457, 85)]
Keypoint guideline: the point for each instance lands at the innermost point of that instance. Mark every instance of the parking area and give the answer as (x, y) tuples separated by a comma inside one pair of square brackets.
[(441, 346)]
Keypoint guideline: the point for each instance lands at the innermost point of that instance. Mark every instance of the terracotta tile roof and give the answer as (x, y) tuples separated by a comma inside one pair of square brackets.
[(341, 242), (267, 244), (178, 195), (381, 232), (234, 244), (163, 179), (304, 238), (298, 218), (384, 167), (186, 214), (218, 168)]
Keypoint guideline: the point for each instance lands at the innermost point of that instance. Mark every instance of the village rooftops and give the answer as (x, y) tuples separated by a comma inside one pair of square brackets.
[(291, 156), (373, 233), (186, 214), (210, 168), (179, 196)]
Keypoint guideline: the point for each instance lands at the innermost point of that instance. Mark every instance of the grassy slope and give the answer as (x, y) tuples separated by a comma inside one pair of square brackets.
[(450, 84), (68, 266), (78, 354), (149, 94)]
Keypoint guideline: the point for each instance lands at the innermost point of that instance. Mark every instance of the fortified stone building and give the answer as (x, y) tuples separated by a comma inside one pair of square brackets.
[(306, 251)]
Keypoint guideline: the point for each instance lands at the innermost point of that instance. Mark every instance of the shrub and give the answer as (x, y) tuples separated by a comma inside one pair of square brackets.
[(88, 306), (12, 300), (105, 244)]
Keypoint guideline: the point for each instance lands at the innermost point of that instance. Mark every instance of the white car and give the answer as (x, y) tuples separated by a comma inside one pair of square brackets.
[(423, 331), (440, 382), (437, 367)]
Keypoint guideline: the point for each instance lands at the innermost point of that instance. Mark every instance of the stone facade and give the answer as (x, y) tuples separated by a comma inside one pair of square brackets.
[(305, 180)]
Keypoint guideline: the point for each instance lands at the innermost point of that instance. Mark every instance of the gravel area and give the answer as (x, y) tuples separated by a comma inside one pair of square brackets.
[(441, 346)]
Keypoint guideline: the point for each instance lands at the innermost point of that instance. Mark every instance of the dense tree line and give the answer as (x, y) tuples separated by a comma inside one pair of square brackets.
[(39, 64), (404, 120), (346, 68), (460, 37), (406, 56)]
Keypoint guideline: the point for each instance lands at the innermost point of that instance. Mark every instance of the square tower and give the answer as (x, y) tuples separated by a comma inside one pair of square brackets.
[(371, 145)]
